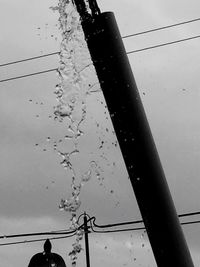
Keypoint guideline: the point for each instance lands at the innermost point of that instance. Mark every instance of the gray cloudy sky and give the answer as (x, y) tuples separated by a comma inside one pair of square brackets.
[(32, 180)]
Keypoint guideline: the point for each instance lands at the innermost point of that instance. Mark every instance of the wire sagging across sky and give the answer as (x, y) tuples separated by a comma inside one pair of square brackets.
[(130, 52), (123, 37)]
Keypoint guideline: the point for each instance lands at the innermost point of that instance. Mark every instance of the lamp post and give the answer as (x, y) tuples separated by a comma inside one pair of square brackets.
[(47, 258)]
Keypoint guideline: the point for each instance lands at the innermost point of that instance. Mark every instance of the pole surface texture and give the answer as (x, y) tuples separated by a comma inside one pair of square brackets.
[(138, 149), (87, 254)]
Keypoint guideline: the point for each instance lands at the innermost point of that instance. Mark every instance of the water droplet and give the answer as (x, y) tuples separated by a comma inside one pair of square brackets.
[(48, 139), (93, 164), (86, 176)]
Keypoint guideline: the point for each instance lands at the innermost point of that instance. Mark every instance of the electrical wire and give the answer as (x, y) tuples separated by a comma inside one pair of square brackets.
[(164, 44), (59, 232), (136, 228), (72, 233), (123, 37), (28, 59), (93, 219), (38, 234), (189, 214), (161, 28), (27, 75), (35, 240), (141, 221), (130, 52), (93, 230)]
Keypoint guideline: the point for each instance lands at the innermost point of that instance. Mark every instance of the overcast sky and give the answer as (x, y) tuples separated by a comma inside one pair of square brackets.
[(32, 179)]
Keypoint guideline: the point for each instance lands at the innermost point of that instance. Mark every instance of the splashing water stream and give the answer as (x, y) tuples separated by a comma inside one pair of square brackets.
[(75, 67)]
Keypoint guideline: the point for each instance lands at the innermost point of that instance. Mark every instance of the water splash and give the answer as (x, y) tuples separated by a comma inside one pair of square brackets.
[(71, 93)]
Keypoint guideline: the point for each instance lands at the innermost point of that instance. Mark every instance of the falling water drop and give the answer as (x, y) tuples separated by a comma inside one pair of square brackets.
[(48, 139)]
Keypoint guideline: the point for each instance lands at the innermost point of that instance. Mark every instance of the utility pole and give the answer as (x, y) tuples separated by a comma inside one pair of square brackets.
[(134, 136), (86, 231)]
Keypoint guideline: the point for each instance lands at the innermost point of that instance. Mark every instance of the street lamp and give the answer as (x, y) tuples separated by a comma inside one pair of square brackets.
[(47, 258)]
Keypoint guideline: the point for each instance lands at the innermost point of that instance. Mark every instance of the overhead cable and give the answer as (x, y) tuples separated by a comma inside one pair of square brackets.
[(93, 231), (161, 28), (123, 37), (164, 44), (136, 228), (28, 59), (38, 234), (141, 221), (35, 240), (93, 219), (130, 52), (28, 75)]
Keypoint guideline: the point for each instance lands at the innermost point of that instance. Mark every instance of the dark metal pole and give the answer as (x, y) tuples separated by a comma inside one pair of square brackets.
[(86, 242), (135, 139)]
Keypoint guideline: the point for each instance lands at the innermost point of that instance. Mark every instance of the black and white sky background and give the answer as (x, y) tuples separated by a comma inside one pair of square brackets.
[(32, 181)]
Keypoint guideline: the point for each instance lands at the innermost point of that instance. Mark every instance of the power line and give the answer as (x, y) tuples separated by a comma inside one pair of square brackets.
[(28, 59), (35, 240), (161, 28), (130, 52), (93, 219), (141, 221), (164, 44), (38, 234), (58, 232), (28, 75), (123, 37), (93, 230), (136, 228), (189, 214)]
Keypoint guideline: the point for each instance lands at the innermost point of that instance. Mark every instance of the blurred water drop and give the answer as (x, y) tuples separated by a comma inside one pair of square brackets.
[(93, 164), (86, 176), (48, 139)]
